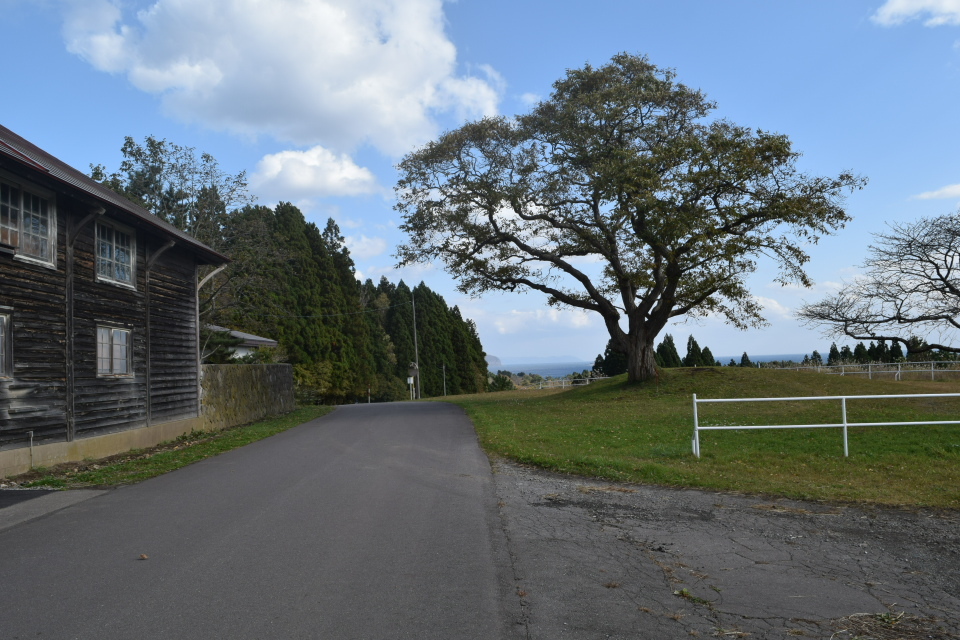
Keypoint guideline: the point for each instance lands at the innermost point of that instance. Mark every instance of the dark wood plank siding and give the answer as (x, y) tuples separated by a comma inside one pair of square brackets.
[(173, 336), (34, 398), (37, 397), (104, 404)]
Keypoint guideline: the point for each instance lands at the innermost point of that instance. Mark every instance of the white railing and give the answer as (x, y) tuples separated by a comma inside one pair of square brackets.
[(566, 382), (881, 368), (841, 425)]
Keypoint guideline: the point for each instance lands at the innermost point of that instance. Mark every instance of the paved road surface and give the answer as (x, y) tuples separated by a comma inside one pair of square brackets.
[(377, 521), (381, 522)]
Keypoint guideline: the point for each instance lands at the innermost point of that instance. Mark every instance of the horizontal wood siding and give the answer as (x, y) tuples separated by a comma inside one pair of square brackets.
[(37, 396), (34, 398), (173, 337), (104, 404)]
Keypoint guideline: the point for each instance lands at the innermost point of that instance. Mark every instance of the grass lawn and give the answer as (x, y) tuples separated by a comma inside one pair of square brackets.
[(642, 433), (141, 464)]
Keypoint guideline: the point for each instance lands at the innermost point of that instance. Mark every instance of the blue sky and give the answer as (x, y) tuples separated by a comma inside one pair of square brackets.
[(318, 99)]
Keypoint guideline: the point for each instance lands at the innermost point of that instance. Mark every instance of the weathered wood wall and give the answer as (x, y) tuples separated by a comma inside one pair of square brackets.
[(34, 399), (173, 334), (104, 403), (38, 396)]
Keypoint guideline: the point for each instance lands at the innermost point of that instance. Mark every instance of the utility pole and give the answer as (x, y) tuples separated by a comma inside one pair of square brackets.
[(444, 378), (416, 351)]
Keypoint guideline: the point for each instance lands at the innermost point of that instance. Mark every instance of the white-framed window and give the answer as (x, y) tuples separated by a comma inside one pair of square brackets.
[(28, 221), (114, 351), (9, 215), (116, 250), (6, 345)]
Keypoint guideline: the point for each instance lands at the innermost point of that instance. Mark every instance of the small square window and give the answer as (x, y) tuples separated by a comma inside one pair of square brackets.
[(6, 351), (114, 352), (115, 252)]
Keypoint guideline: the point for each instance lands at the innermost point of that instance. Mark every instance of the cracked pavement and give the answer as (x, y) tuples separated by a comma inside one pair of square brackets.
[(593, 559)]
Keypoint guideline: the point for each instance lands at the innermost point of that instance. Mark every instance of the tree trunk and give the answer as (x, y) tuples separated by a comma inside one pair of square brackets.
[(641, 358)]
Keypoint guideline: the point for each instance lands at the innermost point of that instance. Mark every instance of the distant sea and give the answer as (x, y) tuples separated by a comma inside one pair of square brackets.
[(796, 357), (548, 369), (561, 369)]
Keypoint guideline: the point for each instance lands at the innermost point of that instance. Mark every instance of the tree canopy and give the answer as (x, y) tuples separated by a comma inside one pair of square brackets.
[(910, 285), (295, 282), (618, 194)]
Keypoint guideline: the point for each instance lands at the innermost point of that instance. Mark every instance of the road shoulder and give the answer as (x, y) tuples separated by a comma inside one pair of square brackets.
[(593, 559)]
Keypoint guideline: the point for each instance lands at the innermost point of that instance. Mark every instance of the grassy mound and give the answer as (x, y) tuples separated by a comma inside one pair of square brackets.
[(642, 433)]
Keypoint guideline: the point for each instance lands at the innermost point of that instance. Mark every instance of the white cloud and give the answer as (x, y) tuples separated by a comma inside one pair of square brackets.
[(349, 223), (950, 191), (314, 172), (822, 287), (940, 12), (773, 308), (411, 273), (335, 72), (90, 31), (363, 247), (530, 99), (516, 321)]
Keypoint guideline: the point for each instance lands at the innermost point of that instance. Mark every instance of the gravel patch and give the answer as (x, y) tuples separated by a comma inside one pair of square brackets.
[(598, 560)]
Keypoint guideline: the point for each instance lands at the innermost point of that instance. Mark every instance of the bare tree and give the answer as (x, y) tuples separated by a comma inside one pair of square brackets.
[(910, 287)]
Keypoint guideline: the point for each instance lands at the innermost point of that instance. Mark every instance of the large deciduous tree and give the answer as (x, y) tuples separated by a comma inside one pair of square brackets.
[(910, 286), (190, 191), (618, 194), (175, 183)]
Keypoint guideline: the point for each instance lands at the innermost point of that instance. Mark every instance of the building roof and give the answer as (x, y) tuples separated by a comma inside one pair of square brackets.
[(249, 340), (14, 147)]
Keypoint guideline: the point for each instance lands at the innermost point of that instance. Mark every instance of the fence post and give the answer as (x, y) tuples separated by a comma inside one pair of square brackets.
[(696, 429), (932, 379), (869, 371), (846, 449), (898, 373)]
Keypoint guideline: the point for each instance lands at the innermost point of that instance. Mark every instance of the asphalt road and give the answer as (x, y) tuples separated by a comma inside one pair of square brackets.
[(380, 522), (374, 522)]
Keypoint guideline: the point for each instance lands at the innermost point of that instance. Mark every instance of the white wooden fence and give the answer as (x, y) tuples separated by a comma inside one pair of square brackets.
[(563, 383), (844, 424), (879, 369)]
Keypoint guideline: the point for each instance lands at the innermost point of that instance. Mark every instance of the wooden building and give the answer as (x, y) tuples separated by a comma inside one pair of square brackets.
[(98, 308)]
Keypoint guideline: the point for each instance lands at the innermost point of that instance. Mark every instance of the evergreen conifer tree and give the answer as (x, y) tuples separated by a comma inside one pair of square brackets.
[(896, 352), (694, 354), (667, 351), (860, 354), (833, 358), (883, 351), (612, 362), (707, 359)]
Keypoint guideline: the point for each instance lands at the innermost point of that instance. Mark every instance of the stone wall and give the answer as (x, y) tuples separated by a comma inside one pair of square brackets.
[(234, 394)]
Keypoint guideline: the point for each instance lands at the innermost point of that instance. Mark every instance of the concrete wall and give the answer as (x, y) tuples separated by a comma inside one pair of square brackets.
[(240, 393), (233, 394)]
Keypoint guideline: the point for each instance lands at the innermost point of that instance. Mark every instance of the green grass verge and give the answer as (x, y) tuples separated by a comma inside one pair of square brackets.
[(141, 464), (642, 433)]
